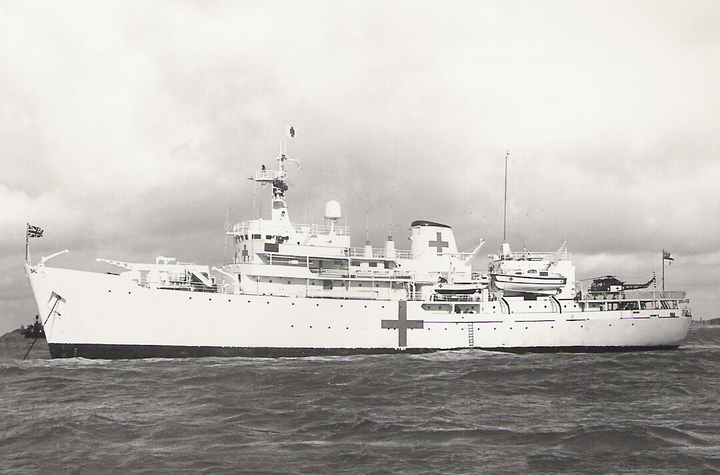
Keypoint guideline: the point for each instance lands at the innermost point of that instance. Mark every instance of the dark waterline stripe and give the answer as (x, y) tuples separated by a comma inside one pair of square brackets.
[(93, 351)]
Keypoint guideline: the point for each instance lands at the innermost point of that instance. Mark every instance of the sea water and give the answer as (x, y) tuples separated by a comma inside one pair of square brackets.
[(446, 412)]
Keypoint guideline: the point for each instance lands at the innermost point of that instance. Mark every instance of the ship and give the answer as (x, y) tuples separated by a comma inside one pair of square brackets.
[(293, 290)]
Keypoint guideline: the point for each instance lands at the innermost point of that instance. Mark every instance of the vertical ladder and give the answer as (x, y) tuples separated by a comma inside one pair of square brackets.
[(471, 335)]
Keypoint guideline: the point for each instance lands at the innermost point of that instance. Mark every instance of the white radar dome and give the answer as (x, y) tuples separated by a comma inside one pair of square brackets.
[(332, 210)]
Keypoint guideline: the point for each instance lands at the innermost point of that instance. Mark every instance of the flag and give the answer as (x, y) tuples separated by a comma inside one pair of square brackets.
[(290, 130), (34, 231), (667, 257)]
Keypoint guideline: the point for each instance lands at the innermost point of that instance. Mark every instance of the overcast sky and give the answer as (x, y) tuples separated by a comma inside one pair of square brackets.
[(127, 127)]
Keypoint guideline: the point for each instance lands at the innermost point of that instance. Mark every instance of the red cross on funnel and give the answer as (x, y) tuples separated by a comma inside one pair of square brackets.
[(439, 243)]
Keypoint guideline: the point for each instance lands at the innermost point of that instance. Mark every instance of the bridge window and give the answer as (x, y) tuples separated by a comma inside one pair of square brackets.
[(271, 247)]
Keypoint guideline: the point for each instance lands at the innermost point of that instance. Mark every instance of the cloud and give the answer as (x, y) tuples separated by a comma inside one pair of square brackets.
[(126, 126)]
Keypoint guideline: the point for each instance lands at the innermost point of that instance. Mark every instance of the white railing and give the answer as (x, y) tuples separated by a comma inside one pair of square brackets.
[(266, 175), (637, 295), (330, 272), (536, 256), (379, 253), (240, 228), (457, 298), (317, 229), (184, 286), (343, 294), (322, 229)]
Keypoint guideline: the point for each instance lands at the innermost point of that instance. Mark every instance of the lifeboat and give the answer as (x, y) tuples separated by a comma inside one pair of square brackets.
[(532, 282)]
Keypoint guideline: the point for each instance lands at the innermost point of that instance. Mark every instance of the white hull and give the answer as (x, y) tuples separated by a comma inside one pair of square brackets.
[(104, 315)]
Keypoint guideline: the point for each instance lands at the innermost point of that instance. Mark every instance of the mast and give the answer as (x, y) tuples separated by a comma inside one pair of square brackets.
[(507, 154), (277, 179)]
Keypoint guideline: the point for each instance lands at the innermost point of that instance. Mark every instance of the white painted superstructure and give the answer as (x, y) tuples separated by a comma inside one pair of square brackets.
[(303, 289)]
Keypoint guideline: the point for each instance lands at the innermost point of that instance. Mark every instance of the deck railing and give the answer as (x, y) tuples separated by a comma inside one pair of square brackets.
[(536, 256), (322, 229), (378, 253), (317, 229), (638, 295)]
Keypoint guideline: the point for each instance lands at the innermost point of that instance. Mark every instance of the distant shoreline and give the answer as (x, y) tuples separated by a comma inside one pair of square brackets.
[(712, 321), (19, 331)]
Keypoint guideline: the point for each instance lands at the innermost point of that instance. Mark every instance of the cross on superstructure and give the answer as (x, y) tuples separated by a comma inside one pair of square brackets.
[(439, 243)]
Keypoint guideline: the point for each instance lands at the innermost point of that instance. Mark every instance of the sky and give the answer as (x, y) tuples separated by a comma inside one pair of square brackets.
[(128, 129)]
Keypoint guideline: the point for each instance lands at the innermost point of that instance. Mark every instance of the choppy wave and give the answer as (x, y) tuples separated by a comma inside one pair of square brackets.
[(447, 412)]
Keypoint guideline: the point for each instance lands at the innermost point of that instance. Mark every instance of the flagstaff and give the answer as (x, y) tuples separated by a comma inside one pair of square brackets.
[(666, 256), (34, 232)]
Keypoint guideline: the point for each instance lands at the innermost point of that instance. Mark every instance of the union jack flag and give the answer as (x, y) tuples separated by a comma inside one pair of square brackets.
[(34, 231)]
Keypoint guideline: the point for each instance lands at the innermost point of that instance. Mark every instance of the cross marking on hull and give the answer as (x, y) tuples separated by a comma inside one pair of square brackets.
[(439, 243), (402, 323)]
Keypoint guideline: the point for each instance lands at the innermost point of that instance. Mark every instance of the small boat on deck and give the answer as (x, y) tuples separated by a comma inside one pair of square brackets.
[(530, 273)]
